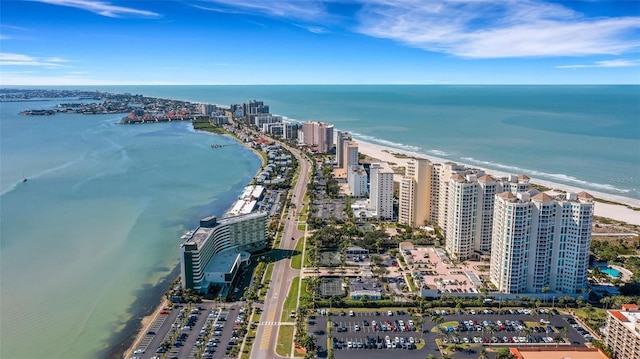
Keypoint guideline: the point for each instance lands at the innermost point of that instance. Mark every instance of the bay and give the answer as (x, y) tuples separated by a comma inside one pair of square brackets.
[(87, 240)]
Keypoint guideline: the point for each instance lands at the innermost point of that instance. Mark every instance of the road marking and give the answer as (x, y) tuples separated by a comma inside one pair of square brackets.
[(266, 332)]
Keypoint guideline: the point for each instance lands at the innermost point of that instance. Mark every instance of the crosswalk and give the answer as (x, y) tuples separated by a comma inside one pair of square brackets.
[(275, 323)]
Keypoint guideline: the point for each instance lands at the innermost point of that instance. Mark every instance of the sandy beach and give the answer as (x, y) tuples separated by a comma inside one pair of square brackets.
[(617, 212)]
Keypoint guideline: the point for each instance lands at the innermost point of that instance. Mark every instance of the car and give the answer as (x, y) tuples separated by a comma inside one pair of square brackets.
[(365, 323), (389, 313), (351, 313), (139, 351), (356, 328), (349, 344)]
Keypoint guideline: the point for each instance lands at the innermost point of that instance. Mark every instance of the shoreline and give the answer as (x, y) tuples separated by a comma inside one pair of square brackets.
[(149, 319), (614, 211)]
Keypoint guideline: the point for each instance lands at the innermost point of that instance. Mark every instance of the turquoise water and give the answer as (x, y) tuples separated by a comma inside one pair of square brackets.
[(610, 271), (582, 136), (86, 241)]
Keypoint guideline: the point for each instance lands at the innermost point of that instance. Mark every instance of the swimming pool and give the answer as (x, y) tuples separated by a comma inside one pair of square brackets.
[(610, 271)]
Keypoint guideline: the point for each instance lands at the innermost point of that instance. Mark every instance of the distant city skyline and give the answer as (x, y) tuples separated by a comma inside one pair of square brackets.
[(90, 42)]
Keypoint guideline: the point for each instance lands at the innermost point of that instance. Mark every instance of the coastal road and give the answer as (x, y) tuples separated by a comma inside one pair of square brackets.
[(267, 333)]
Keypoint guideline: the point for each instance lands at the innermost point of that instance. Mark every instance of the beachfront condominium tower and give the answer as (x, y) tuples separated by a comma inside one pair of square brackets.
[(381, 190), (462, 198), (217, 248), (357, 180), (318, 135), (350, 154), (341, 139), (541, 243), (414, 205), (443, 174), (469, 211)]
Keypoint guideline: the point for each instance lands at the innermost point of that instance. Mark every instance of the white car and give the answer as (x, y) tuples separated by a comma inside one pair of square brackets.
[(139, 351), (356, 328), (411, 340)]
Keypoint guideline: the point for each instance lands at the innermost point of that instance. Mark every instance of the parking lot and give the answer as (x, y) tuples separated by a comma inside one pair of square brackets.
[(374, 333), (192, 332), (358, 333)]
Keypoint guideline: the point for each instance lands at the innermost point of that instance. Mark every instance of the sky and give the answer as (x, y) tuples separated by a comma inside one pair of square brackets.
[(91, 42)]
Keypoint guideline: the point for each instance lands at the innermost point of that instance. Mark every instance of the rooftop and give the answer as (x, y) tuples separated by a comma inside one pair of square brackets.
[(558, 353), (629, 318), (223, 262)]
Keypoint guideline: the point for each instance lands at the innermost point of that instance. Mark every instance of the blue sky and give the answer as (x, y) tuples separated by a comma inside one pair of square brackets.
[(90, 42)]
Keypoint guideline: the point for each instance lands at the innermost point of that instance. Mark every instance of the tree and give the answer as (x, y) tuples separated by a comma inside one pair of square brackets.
[(504, 353), (558, 339), (483, 354)]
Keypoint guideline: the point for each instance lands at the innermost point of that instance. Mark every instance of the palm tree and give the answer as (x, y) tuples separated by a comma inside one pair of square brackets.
[(558, 339), (483, 354), (436, 320)]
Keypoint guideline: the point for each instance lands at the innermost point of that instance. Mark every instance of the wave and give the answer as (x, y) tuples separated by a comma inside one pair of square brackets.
[(396, 145), (438, 153), (559, 177)]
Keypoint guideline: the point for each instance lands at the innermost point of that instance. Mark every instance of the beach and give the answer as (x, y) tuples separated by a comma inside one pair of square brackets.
[(618, 212)]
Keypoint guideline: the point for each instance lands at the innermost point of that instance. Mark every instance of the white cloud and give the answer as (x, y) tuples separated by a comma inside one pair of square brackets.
[(299, 9), (102, 8), (605, 63), (463, 28), (497, 29), (10, 59)]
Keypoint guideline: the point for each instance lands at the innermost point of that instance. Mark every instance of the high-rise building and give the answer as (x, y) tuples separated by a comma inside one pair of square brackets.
[(468, 211), (381, 190), (291, 130), (415, 199), (357, 180), (462, 202), (622, 332), (253, 108), (350, 154), (541, 243), (207, 109), (214, 252), (318, 135), (341, 138)]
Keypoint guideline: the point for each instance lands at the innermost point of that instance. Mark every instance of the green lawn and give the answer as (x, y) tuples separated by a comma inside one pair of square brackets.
[(452, 323), (412, 285), (267, 276), (285, 338), (291, 302), (296, 260), (451, 348), (301, 226)]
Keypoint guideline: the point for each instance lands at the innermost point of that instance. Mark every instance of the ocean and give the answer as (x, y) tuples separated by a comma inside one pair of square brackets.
[(86, 242), (582, 136)]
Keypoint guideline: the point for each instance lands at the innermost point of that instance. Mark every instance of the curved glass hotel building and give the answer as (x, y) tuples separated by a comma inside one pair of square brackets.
[(217, 248)]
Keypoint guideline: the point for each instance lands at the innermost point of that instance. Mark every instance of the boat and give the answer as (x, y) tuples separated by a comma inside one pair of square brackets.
[(24, 179), (216, 146)]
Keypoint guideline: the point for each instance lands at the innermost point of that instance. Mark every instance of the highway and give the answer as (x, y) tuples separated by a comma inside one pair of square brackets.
[(267, 332)]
